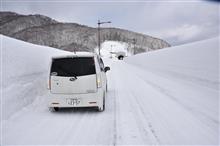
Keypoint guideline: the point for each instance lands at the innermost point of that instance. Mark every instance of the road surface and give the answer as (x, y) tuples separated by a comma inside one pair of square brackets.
[(142, 107)]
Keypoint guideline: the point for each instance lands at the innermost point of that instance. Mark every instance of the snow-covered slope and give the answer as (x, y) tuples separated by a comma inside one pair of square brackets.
[(196, 61), (169, 96), (24, 66), (21, 58)]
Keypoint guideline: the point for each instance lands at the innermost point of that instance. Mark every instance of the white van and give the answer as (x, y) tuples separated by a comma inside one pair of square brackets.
[(77, 80)]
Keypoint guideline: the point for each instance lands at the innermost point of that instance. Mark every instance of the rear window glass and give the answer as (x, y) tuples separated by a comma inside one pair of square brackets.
[(73, 66)]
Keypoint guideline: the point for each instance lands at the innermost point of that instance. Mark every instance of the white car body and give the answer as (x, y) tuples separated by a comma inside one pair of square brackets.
[(77, 80)]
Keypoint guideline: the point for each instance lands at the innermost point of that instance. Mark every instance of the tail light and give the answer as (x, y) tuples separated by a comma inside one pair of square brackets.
[(98, 81)]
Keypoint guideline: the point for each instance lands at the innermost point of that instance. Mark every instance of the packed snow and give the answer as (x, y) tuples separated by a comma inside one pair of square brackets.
[(168, 96)]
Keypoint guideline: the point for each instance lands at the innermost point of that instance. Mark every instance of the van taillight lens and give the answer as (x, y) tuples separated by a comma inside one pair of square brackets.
[(98, 81)]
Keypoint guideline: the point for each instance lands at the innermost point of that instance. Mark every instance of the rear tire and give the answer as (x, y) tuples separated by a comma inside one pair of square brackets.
[(56, 109), (53, 109)]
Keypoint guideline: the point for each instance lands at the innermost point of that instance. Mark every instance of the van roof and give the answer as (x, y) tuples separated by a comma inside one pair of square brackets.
[(76, 54)]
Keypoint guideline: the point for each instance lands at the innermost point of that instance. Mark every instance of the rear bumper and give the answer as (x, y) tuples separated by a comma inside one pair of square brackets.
[(76, 100)]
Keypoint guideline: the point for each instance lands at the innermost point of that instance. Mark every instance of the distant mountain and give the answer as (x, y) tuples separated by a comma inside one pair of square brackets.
[(42, 30)]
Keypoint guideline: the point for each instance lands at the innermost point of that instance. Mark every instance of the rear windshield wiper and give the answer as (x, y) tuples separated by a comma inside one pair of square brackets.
[(75, 76), (73, 79)]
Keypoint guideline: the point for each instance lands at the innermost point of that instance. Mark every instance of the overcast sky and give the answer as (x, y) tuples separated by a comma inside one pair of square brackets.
[(175, 21)]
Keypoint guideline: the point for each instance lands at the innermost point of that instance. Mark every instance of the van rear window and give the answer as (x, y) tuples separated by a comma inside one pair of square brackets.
[(70, 67)]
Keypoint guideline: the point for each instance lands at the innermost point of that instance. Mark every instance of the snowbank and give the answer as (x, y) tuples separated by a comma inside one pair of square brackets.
[(24, 66), (196, 61), (20, 58)]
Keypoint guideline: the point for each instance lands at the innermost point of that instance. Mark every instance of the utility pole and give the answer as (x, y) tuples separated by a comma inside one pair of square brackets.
[(134, 42), (99, 36)]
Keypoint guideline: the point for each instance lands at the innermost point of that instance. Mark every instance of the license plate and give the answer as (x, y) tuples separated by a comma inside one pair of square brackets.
[(73, 101)]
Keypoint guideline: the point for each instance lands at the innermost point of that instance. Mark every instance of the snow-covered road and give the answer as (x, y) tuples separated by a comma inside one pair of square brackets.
[(151, 109), (155, 98), (141, 109)]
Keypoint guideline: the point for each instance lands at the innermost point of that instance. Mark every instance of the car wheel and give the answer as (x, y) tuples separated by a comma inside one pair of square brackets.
[(56, 109), (104, 104)]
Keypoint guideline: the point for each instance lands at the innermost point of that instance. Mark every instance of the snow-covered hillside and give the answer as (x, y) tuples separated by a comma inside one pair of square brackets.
[(168, 96)]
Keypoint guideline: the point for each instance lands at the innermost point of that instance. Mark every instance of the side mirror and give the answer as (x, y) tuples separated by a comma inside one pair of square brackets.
[(107, 68)]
